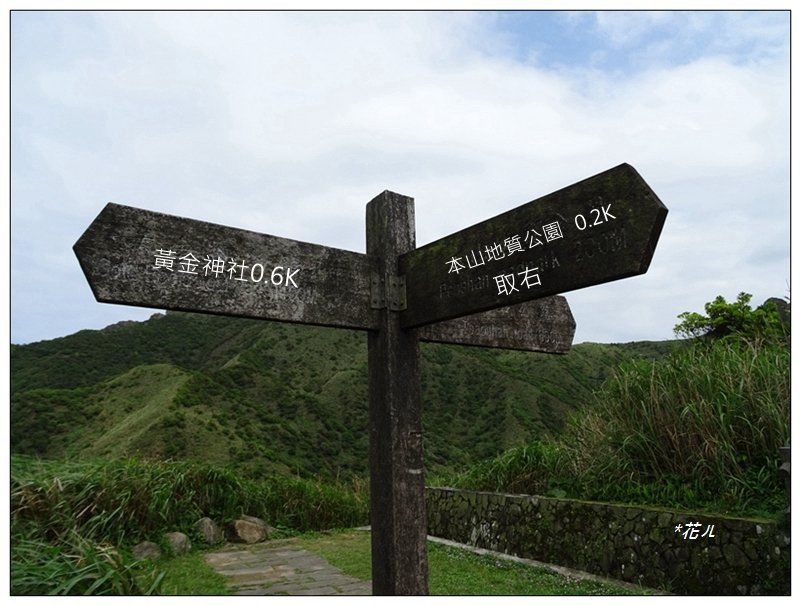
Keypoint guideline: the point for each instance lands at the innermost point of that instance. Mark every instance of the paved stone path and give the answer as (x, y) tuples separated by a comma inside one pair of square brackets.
[(282, 568)]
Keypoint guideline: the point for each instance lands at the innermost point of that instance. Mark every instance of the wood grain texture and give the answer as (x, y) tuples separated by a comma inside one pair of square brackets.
[(397, 483), (123, 255), (601, 229), (544, 326)]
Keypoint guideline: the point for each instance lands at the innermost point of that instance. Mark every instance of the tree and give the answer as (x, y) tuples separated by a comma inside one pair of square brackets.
[(723, 319)]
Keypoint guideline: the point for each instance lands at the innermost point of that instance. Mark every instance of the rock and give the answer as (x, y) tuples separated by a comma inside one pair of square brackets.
[(249, 530), (784, 310), (179, 543), (209, 530), (146, 550)]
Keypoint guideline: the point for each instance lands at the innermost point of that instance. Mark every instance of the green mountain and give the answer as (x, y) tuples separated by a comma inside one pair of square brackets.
[(270, 396)]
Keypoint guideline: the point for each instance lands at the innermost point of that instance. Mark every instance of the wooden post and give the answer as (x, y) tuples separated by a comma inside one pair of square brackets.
[(601, 229), (139, 257), (397, 485)]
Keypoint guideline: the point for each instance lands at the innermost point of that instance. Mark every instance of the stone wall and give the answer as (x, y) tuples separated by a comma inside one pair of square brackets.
[(682, 553)]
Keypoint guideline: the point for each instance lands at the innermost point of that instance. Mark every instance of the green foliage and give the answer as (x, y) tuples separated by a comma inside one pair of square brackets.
[(38, 417), (455, 571), (120, 501), (118, 415), (189, 574), (535, 468), (267, 398), (65, 516), (123, 501), (77, 566), (188, 341), (478, 402), (306, 505), (708, 421), (699, 429), (273, 400), (737, 318)]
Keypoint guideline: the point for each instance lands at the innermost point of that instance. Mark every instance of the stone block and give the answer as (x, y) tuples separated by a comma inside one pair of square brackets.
[(249, 530), (209, 531), (146, 550)]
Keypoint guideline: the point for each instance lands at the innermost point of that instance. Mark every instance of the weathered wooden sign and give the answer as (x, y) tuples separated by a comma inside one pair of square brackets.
[(502, 273), (545, 325), (598, 230), (142, 258)]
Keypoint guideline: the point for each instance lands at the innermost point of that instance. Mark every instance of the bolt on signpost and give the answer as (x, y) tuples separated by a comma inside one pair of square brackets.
[(493, 285)]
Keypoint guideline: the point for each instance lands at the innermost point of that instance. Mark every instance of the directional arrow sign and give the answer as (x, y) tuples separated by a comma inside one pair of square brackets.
[(143, 258), (544, 326), (598, 230), (137, 257)]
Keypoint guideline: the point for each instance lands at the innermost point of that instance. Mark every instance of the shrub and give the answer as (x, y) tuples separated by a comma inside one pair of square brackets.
[(723, 319), (122, 501), (65, 516), (536, 468), (710, 419), (698, 429), (77, 566)]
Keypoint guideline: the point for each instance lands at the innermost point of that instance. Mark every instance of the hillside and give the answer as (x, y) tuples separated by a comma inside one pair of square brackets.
[(271, 396)]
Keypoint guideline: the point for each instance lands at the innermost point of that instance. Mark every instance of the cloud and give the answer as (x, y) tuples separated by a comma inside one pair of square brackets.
[(639, 40), (289, 123)]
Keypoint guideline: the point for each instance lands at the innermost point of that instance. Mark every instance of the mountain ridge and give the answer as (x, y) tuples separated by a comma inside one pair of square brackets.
[(267, 396)]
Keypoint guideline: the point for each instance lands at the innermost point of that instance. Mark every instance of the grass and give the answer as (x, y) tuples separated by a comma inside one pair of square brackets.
[(189, 574), (124, 501), (699, 430), (346, 550), (265, 397), (77, 566), (73, 523), (146, 391), (453, 571), (706, 424)]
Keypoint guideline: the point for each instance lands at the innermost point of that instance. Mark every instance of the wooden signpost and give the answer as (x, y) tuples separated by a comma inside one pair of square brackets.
[(489, 285), (142, 258), (545, 325), (598, 230)]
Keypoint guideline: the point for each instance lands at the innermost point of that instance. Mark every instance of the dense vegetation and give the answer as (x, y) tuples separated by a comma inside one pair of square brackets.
[(186, 416), (699, 429), (73, 523), (276, 398)]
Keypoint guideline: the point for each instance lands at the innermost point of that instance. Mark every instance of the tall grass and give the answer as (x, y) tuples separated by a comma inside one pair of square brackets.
[(306, 505), (535, 468), (66, 516), (77, 566), (699, 429), (708, 421), (128, 500), (120, 500)]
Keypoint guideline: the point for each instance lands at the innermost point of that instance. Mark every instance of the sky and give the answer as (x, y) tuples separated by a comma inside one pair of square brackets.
[(288, 123)]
